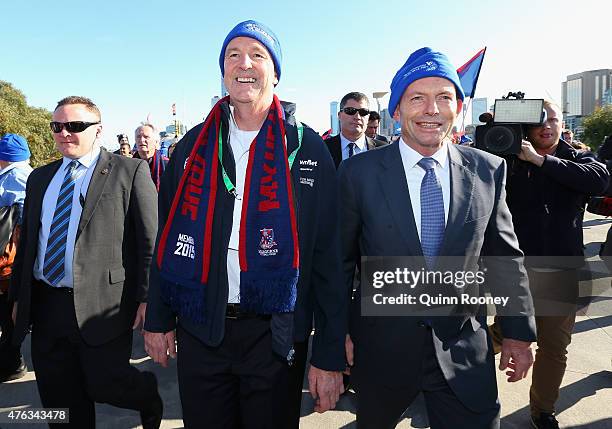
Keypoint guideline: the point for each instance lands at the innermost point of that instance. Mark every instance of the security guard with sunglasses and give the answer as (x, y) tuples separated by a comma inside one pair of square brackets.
[(80, 276), (353, 116)]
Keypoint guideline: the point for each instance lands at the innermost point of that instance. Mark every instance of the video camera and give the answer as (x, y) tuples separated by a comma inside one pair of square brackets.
[(504, 131)]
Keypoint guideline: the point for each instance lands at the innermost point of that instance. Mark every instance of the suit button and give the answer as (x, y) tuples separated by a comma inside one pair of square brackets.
[(421, 324)]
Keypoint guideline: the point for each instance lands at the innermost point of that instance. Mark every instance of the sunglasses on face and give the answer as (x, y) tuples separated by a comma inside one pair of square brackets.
[(71, 127), (352, 110)]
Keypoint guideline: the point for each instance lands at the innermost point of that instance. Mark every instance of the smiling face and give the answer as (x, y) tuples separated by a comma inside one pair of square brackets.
[(546, 137), (427, 111), (249, 72), (75, 145)]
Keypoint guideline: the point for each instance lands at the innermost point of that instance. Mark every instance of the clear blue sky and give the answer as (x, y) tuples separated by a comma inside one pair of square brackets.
[(134, 57)]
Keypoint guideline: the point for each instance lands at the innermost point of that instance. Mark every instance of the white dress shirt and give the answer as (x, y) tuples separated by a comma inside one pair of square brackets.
[(360, 146), (415, 174), (84, 170)]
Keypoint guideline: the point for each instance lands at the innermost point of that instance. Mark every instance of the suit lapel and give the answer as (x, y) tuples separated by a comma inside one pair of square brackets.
[(461, 190), (392, 178), (100, 175), (37, 194)]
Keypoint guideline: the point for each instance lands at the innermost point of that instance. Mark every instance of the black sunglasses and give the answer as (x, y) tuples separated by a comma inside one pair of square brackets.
[(352, 110), (71, 127)]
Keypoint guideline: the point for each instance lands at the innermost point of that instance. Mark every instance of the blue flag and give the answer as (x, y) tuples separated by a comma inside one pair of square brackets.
[(468, 73)]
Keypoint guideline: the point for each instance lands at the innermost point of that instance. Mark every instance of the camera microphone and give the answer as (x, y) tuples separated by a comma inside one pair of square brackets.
[(485, 117)]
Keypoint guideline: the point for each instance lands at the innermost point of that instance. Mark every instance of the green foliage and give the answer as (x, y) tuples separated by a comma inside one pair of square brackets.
[(31, 122), (597, 126)]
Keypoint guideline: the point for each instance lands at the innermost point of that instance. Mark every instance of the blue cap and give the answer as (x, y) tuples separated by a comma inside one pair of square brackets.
[(422, 63), (261, 33), (14, 148)]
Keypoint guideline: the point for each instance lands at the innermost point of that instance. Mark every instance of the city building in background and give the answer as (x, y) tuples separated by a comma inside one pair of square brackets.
[(479, 106), (171, 129), (582, 93), (334, 108), (387, 124)]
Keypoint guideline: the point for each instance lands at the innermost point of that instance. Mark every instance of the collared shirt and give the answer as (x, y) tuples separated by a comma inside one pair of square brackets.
[(84, 171), (415, 174), (240, 142), (360, 146), (13, 179)]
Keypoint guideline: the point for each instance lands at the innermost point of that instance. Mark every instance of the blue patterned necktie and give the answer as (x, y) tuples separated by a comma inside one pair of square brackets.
[(432, 212), (55, 255)]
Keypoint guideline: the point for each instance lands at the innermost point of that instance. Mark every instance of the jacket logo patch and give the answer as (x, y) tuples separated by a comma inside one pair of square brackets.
[(307, 181)]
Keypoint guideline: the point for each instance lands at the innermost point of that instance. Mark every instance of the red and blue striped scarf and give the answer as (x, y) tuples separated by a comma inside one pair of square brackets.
[(268, 247)]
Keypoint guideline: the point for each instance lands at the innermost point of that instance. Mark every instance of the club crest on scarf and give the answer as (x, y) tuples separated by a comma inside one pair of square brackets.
[(268, 224), (267, 243)]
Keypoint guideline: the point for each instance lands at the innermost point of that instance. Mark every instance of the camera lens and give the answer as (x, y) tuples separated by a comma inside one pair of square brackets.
[(499, 140)]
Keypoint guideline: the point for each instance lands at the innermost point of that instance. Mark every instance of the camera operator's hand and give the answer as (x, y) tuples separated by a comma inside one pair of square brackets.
[(529, 154)]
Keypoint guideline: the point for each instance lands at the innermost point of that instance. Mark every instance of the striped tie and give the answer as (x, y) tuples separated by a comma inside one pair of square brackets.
[(432, 212), (53, 268), (351, 147)]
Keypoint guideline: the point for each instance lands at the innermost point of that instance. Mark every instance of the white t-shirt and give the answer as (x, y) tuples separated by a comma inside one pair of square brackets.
[(240, 142)]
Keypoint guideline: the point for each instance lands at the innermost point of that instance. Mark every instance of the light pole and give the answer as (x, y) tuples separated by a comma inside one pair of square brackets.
[(377, 96)]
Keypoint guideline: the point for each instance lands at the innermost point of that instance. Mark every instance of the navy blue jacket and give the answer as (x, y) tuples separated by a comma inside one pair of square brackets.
[(320, 289), (547, 204)]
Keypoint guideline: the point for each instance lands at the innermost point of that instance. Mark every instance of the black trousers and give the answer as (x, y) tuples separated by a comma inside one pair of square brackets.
[(381, 407), (72, 374), (10, 355), (241, 383)]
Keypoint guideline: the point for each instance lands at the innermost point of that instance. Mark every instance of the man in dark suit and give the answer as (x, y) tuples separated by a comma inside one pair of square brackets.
[(440, 207), (353, 116), (82, 270), (372, 128)]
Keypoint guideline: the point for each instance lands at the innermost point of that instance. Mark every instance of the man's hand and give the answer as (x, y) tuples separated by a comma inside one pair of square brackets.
[(529, 154), (325, 388), (14, 314), (348, 347), (518, 357), (159, 346), (139, 320)]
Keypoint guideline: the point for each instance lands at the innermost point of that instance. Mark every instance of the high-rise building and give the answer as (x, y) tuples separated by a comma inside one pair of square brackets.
[(386, 126), (214, 101), (582, 93), (333, 117), (479, 106)]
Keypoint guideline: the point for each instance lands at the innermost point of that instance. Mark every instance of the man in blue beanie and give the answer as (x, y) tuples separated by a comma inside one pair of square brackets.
[(14, 172), (248, 254), (441, 207)]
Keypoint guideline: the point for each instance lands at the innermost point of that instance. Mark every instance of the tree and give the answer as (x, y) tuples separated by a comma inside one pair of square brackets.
[(597, 126), (31, 122)]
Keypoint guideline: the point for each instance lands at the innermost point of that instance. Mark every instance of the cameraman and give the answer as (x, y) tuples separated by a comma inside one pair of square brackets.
[(547, 188)]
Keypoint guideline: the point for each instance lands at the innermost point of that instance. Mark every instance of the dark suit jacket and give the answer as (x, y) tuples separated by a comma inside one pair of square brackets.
[(377, 220), (335, 147), (382, 138), (320, 294), (112, 252)]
